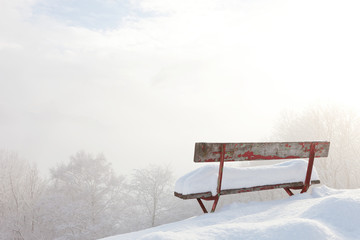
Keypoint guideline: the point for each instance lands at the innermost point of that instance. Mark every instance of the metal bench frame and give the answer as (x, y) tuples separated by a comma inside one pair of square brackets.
[(222, 152)]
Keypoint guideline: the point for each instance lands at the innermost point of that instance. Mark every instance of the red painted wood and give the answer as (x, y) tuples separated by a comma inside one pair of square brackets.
[(215, 203), (204, 195), (202, 205), (221, 152), (209, 198), (207, 195), (288, 191), (211, 152), (309, 168), (221, 168)]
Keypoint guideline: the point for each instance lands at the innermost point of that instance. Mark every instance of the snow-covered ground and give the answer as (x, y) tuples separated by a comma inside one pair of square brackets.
[(323, 214)]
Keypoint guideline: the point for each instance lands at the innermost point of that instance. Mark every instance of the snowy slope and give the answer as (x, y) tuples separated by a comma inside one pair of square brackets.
[(324, 214)]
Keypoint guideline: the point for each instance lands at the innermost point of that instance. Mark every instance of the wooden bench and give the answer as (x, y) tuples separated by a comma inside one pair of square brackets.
[(229, 152)]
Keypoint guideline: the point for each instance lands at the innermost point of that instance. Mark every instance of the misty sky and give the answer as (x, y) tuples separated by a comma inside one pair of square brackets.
[(143, 80)]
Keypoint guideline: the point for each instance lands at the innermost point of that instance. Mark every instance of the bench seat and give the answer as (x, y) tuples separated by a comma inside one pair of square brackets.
[(202, 182)]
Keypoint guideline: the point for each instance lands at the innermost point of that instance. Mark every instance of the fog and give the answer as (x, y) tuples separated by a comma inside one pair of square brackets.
[(164, 75), (141, 81)]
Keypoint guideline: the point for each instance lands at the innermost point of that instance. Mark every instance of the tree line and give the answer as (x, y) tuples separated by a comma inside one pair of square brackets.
[(85, 199)]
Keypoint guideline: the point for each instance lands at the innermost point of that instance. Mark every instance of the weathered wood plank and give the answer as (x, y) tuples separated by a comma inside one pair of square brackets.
[(296, 185), (210, 152), (192, 196)]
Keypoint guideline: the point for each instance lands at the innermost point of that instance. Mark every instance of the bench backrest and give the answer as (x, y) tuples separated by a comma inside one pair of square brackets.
[(211, 152)]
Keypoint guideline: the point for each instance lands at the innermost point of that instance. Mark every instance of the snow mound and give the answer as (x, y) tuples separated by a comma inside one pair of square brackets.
[(204, 179), (324, 214)]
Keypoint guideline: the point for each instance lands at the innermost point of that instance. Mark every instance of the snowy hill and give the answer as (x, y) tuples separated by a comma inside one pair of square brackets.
[(324, 214)]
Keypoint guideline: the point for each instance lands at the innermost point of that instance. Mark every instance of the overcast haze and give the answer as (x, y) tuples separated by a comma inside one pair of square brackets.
[(142, 81)]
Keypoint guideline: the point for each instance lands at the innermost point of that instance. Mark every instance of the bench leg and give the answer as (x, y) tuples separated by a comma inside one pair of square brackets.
[(289, 191), (202, 205), (309, 168), (305, 188), (215, 203), (216, 200)]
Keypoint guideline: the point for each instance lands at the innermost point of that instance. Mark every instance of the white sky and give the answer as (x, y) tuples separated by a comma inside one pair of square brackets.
[(142, 80)]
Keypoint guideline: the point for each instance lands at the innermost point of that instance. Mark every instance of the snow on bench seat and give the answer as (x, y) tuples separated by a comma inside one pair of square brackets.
[(204, 179)]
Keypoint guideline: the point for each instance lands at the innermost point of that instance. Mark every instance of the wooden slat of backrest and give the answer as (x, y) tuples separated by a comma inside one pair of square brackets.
[(210, 152)]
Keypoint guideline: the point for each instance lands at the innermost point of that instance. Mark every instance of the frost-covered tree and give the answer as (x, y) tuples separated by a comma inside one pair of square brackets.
[(337, 124), (152, 191), (85, 199), (21, 189)]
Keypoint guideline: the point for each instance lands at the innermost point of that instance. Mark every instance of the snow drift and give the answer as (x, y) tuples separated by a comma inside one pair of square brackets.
[(324, 214)]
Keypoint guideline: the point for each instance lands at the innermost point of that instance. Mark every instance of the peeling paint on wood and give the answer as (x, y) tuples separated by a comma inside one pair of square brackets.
[(222, 152), (211, 152)]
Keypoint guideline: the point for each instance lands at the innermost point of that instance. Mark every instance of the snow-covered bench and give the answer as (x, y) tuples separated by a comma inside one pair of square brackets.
[(211, 181)]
